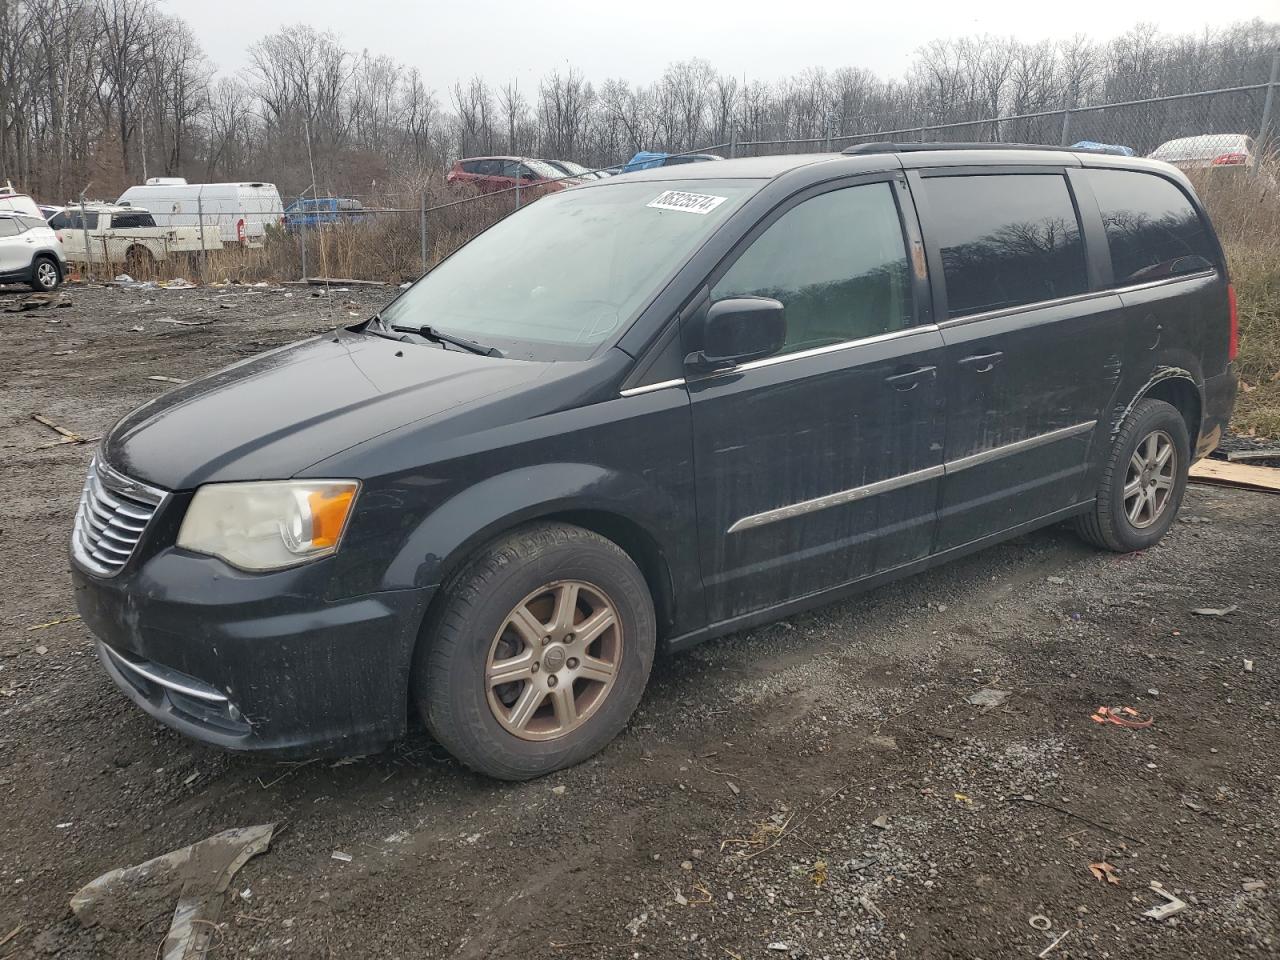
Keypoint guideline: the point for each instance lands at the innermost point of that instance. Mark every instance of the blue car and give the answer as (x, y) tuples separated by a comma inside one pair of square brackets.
[(306, 213), (646, 159)]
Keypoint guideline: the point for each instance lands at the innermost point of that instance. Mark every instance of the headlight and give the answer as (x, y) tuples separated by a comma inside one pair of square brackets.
[(266, 526)]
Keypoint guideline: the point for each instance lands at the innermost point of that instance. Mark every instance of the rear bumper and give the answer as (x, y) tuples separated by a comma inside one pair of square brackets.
[(255, 663), (1219, 401)]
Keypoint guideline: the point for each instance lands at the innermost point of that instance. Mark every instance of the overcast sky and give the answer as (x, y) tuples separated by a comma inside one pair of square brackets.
[(636, 39)]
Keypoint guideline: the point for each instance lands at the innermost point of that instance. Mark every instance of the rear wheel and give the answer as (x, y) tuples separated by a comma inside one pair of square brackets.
[(45, 274), (1143, 480), (139, 263), (538, 654)]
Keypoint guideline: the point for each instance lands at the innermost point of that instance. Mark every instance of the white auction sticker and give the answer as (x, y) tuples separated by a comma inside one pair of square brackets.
[(686, 202)]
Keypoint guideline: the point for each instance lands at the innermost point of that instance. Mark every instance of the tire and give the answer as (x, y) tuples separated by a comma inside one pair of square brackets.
[(1110, 523), (46, 275), (139, 263), (497, 728)]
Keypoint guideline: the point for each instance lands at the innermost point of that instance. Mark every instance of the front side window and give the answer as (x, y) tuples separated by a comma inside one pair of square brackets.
[(558, 277), (837, 262), (1006, 240), (1152, 229)]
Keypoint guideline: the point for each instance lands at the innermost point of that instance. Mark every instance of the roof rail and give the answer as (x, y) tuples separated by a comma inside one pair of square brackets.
[(916, 147)]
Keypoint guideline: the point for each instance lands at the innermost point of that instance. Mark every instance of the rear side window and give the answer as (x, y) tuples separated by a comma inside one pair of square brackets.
[(1006, 240), (9, 227), (1152, 229), (837, 262), (125, 221)]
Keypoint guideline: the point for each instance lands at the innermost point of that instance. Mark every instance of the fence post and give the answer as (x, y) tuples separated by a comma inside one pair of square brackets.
[(204, 250), (302, 243), (422, 229), (518, 165), (733, 141), (88, 250), (1066, 127), (827, 135), (1264, 129)]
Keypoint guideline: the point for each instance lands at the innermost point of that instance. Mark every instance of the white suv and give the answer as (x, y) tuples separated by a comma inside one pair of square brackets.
[(30, 252)]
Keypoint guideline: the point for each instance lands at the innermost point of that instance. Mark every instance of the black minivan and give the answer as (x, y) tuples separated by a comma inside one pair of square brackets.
[(647, 411)]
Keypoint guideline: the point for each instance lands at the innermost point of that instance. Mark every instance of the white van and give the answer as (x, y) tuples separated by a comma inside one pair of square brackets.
[(239, 210)]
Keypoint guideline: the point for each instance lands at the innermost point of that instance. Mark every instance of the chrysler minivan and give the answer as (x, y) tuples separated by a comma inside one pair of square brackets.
[(647, 411)]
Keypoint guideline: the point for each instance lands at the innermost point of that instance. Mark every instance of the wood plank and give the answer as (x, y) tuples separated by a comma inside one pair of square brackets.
[(1266, 479)]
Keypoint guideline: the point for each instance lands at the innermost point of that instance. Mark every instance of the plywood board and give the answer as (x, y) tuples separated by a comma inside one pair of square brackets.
[(1236, 475)]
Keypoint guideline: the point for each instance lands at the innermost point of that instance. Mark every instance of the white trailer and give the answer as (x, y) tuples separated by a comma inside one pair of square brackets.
[(240, 211)]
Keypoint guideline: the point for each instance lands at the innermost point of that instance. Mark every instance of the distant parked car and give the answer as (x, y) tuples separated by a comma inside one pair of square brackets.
[(11, 201), (1208, 151), (308, 212), (30, 252), (47, 211), (240, 211), (123, 234), (491, 174), (648, 159), (571, 169)]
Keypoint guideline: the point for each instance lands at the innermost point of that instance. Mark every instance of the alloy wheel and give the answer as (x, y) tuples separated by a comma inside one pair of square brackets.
[(554, 660), (1149, 482), (47, 275)]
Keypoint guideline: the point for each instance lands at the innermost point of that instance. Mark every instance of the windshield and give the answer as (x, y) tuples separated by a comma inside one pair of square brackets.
[(544, 169), (556, 279)]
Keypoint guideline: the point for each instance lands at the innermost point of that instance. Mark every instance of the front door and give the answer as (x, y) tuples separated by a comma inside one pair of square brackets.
[(820, 465), (1033, 352)]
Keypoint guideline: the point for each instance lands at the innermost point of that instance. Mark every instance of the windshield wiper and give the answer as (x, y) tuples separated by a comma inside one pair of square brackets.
[(439, 336)]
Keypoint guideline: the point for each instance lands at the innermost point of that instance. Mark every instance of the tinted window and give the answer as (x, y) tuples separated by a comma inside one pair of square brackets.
[(124, 221), (471, 166), (837, 262), (8, 227), (1152, 229), (1006, 240), (71, 220)]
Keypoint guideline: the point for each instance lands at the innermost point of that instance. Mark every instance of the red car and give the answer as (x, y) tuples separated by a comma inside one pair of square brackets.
[(491, 174)]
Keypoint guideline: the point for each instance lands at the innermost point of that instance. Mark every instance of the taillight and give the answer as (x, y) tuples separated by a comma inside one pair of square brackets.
[(1230, 159), (1233, 321)]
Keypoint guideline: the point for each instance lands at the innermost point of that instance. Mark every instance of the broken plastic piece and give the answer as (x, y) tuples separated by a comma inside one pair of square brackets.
[(1122, 717), (1165, 910)]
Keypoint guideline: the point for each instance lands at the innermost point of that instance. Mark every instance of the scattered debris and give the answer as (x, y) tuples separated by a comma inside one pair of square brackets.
[(733, 787), (1056, 581), (199, 873), (181, 323), (339, 855), (633, 927), (1028, 798), (1252, 886), (160, 379), (819, 873), (1167, 909), (1045, 952), (1264, 453), (1248, 665), (35, 301), (781, 946), (11, 934), (54, 623), (1190, 518), (1040, 921), (41, 649), (881, 822), (988, 698), (865, 902), (1122, 717), (963, 798), (1104, 871), (559, 790), (1191, 804), (1266, 479), (1215, 611), (341, 282), (191, 778), (68, 436), (857, 866)]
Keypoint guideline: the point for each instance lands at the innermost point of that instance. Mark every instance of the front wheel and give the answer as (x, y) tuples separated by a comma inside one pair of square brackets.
[(45, 274), (538, 654), (1142, 482)]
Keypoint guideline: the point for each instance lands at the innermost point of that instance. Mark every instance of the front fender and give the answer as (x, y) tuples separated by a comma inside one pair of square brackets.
[(484, 510)]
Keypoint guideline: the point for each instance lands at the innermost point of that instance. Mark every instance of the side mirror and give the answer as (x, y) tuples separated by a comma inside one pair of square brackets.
[(739, 330)]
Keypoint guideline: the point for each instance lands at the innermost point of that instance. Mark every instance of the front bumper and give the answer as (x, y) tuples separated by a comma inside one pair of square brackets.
[(257, 663)]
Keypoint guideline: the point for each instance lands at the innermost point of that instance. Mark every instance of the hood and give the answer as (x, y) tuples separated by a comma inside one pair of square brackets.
[(273, 415)]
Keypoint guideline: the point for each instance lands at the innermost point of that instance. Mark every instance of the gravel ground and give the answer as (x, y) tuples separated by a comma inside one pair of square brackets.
[(820, 787)]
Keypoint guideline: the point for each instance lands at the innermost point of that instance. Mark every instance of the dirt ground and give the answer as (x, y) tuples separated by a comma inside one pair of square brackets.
[(815, 788)]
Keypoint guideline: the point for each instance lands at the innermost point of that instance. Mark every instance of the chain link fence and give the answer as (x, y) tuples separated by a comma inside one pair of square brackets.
[(397, 236)]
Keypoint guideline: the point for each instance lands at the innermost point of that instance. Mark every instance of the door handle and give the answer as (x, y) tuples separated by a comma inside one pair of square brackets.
[(911, 379), (983, 362)]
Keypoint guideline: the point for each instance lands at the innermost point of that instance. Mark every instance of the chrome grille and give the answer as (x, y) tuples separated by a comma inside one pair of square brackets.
[(114, 511)]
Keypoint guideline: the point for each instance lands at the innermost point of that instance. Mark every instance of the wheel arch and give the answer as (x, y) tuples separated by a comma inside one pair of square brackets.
[(1177, 387)]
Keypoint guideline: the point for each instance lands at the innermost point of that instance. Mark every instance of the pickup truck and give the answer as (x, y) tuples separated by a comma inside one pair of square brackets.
[(119, 234)]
